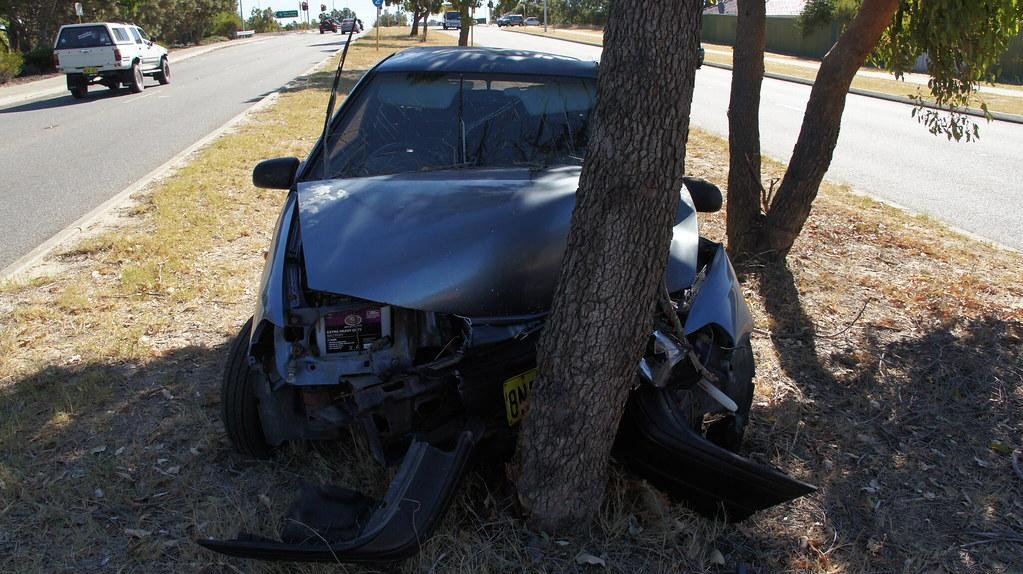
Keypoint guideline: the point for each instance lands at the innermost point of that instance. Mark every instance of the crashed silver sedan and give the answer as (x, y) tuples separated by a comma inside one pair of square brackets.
[(411, 271)]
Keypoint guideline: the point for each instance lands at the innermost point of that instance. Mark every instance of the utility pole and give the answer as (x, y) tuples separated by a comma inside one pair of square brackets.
[(544, 16)]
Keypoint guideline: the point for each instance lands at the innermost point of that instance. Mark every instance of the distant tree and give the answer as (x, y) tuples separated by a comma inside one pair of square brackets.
[(263, 21), (962, 40), (226, 24)]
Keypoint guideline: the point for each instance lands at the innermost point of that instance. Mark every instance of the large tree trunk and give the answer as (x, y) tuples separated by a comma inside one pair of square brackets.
[(463, 30), (821, 121), (614, 263), (415, 24), (745, 220)]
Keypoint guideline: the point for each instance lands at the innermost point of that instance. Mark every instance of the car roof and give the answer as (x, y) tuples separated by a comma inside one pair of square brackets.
[(465, 59), (83, 24)]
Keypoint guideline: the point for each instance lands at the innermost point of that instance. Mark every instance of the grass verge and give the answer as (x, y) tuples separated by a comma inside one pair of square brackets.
[(807, 70), (890, 372)]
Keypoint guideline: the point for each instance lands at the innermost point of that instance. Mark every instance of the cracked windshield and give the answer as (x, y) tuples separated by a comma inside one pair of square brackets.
[(421, 122)]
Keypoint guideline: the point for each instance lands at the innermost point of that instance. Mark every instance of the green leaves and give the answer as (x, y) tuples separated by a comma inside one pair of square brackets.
[(961, 42)]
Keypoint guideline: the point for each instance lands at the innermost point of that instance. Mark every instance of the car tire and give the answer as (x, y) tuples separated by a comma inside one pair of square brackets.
[(728, 431), (163, 76), (79, 92), (136, 82), (321, 31), (239, 404)]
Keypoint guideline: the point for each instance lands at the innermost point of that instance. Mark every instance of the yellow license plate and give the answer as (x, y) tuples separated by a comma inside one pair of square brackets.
[(90, 70), (516, 395)]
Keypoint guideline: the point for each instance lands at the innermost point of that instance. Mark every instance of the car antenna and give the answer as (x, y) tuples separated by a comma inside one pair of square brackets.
[(333, 92)]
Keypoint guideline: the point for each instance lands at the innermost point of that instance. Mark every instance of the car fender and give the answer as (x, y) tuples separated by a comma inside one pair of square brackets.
[(271, 304), (719, 301)]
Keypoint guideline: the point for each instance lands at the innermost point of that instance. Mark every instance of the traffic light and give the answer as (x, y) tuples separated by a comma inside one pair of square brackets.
[(323, 7), (305, 6)]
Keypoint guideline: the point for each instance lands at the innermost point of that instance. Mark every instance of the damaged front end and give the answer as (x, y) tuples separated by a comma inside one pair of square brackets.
[(407, 308)]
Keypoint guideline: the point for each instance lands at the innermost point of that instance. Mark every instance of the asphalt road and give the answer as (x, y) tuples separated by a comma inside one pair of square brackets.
[(60, 157), (881, 151)]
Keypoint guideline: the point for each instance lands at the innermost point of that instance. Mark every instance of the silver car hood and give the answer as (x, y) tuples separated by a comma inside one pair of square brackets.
[(479, 243)]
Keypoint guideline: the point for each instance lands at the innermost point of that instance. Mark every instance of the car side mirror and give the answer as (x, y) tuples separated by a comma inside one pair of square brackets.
[(278, 173), (706, 196)]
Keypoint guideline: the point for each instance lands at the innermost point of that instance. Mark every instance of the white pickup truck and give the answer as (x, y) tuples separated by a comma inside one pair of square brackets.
[(109, 54)]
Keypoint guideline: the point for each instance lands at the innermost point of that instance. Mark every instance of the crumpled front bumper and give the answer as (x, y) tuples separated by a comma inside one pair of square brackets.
[(333, 524), (713, 481)]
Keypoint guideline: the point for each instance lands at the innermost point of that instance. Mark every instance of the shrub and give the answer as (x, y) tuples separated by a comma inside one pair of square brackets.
[(39, 59), (10, 65), (225, 24)]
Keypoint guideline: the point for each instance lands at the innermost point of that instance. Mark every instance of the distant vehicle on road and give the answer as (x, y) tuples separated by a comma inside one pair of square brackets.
[(510, 20), (109, 54), (347, 23), (452, 19), (328, 25), (532, 21)]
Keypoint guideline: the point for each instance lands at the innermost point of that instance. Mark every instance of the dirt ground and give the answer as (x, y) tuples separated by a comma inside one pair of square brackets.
[(890, 373)]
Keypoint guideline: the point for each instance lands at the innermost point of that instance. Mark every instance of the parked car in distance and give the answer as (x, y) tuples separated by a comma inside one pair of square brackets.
[(110, 54), (531, 21), (328, 25), (452, 19), (510, 20)]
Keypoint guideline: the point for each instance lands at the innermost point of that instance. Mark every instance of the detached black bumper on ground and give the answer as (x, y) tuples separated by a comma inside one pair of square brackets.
[(334, 524)]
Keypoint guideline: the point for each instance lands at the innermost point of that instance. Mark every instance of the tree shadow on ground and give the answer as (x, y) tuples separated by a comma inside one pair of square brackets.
[(904, 432), (123, 466)]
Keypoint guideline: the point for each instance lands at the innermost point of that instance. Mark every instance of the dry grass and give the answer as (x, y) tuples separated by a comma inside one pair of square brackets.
[(797, 67), (114, 456)]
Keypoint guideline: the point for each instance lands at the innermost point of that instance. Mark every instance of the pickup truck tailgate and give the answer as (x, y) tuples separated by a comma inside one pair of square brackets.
[(77, 59)]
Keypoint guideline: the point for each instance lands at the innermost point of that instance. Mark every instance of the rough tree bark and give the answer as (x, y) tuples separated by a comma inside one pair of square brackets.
[(745, 220), (821, 121), (463, 30), (415, 23), (615, 259)]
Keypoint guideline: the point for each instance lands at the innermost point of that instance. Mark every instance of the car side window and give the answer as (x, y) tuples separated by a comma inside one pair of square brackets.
[(135, 34), (121, 35), (144, 35)]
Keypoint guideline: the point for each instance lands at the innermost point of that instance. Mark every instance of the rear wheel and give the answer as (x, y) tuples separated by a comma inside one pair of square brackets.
[(79, 92), (163, 76), (137, 81), (238, 399)]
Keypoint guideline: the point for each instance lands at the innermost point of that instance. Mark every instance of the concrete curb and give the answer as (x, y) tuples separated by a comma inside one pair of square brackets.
[(1000, 116), (43, 92), (21, 266)]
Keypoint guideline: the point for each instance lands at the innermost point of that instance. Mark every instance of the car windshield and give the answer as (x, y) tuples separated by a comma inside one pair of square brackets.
[(405, 122), (83, 37), (453, 15)]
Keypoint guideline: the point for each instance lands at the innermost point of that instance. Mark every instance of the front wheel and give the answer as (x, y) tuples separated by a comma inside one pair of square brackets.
[(137, 81), (79, 92), (707, 417), (240, 406), (163, 76)]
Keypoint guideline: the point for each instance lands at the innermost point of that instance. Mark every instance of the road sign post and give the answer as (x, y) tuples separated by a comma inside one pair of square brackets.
[(378, 4)]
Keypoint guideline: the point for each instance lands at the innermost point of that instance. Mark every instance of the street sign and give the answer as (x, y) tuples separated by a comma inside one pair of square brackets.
[(78, 9), (286, 14), (378, 3)]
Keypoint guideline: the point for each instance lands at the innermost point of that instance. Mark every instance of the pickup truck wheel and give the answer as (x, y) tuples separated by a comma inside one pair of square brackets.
[(137, 81), (239, 402), (163, 76), (78, 92)]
